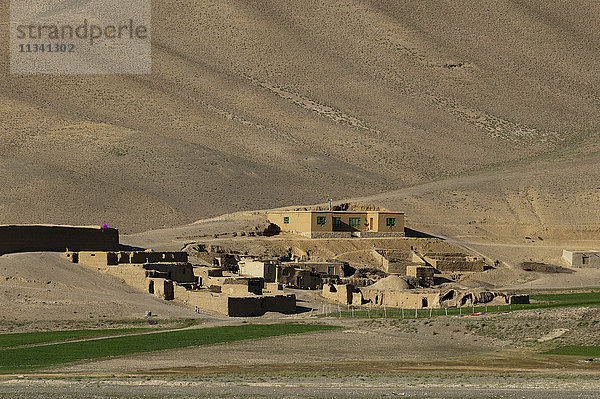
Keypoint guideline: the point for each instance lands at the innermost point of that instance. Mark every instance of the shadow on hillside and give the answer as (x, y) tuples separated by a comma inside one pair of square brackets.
[(408, 232), (123, 247)]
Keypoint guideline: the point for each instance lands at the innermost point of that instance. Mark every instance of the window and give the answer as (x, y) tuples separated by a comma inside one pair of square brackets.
[(331, 270), (337, 222), (354, 222), (286, 220), (390, 222), (321, 220)]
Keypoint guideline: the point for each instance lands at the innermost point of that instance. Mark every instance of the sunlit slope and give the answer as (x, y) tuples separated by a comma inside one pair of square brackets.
[(556, 197), (268, 103)]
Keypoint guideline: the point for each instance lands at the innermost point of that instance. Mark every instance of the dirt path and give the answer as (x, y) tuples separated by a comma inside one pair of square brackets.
[(429, 386)]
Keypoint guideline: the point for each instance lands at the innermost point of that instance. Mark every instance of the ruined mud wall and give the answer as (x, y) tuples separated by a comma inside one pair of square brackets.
[(400, 299), (157, 257), (259, 305), (396, 261), (455, 263), (341, 293), (242, 306), (31, 238)]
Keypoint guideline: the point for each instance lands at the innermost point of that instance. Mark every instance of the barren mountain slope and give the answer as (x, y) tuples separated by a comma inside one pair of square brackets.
[(267, 103), (555, 197)]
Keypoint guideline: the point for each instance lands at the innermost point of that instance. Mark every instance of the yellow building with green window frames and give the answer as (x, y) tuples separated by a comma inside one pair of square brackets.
[(315, 224)]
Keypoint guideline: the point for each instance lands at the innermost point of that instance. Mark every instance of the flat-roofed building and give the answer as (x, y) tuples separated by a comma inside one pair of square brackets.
[(582, 258), (314, 224)]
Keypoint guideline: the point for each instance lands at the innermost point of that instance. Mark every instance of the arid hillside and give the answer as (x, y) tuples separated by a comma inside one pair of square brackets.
[(260, 104)]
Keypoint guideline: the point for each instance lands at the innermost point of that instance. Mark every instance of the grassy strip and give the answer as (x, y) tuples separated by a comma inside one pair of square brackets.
[(579, 298), (31, 358), (540, 301), (576, 351), (41, 337)]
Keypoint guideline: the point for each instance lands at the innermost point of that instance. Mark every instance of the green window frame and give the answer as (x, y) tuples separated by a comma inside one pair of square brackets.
[(321, 220), (390, 222), (354, 222), (336, 221), (286, 220)]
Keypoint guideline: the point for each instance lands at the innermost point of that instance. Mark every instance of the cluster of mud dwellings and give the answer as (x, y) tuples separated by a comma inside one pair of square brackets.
[(169, 276), (423, 266), (347, 294), (308, 275)]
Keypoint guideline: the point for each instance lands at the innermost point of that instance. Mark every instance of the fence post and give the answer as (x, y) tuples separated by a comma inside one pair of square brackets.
[(416, 314), (402, 313)]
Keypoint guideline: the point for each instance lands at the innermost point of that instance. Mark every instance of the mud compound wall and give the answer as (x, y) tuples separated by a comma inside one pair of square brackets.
[(31, 238), (341, 293), (455, 262), (259, 305)]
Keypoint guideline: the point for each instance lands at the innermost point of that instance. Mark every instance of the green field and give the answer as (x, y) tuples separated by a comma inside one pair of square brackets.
[(34, 338), (539, 301), (37, 357), (593, 351)]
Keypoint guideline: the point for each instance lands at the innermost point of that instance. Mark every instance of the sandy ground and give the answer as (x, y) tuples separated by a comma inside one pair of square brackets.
[(409, 387), (44, 288), (351, 345)]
